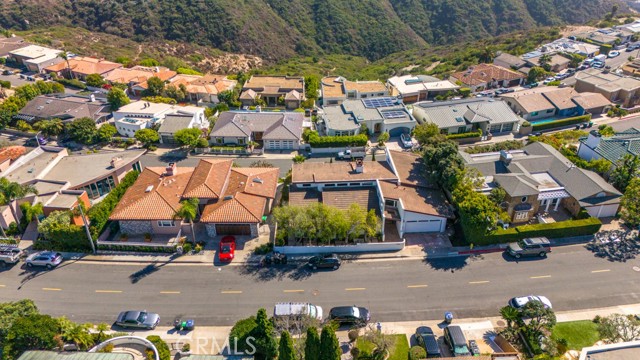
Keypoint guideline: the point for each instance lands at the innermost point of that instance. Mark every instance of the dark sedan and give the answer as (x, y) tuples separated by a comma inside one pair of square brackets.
[(350, 315), (138, 320), (324, 262)]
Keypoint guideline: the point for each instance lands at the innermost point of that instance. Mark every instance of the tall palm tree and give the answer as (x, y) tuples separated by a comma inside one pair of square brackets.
[(13, 191), (510, 315), (32, 211), (65, 56), (188, 212), (488, 53)]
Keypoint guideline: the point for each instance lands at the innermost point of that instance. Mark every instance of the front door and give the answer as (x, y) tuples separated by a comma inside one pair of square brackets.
[(377, 128)]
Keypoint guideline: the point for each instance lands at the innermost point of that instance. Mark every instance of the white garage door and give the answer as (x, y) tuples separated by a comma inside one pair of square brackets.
[(603, 210), (415, 226), (279, 144)]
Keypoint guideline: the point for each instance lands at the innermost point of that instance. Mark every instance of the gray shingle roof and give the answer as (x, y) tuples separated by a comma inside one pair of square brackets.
[(617, 146), (455, 113), (275, 126), (173, 123), (64, 107)]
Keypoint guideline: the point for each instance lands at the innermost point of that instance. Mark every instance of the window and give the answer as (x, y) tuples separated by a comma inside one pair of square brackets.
[(218, 140), (522, 215), (390, 203), (343, 184), (306, 185), (507, 127), (166, 223), (534, 113), (329, 185), (549, 110), (524, 199), (240, 141)]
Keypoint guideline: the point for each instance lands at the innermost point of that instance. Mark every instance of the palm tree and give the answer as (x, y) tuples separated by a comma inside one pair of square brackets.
[(12, 191), (488, 54), (188, 212), (510, 315), (102, 328), (544, 61), (32, 211), (53, 127), (78, 334), (65, 56)]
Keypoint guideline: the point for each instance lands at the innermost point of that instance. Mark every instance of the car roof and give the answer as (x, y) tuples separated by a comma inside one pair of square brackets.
[(132, 315), (424, 330), (343, 310), (537, 241)]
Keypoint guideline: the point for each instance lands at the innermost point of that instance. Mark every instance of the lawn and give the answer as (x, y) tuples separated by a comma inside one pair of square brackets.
[(578, 334), (399, 349)]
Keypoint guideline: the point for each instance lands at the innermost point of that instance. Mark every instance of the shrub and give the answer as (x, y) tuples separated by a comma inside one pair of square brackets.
[(353, 335), (5, 84), (107, 348), (163, 349), (147, 249), (465, 135), (355, 353), (263, 249), (503, 145), (186, 248), (99, 213), (562, 123), (417, 353), (187, 71), (202, 143), (74, 83), (526, 124), (336, 141), (560, 229), (160, 100), (239, 333), (152, 148)]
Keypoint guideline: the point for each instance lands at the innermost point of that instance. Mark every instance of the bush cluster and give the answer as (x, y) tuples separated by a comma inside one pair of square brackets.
[(562, 122), (99, 214), (336, 141), (560, 229), (149, 249), (163, 349), (74, 83), (465, 135)]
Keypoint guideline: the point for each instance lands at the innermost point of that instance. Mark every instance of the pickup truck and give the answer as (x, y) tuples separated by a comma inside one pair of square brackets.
[(353, 153), (9, 254)]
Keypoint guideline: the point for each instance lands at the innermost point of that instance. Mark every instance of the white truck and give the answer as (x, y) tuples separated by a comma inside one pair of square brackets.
[(291, 310), (352, 153)]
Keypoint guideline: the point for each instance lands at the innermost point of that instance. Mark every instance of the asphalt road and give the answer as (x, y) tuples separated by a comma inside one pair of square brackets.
[(626, 123), (394, 290)]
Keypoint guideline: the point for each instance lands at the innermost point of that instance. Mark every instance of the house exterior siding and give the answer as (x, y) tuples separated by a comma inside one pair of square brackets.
[(136, 227)]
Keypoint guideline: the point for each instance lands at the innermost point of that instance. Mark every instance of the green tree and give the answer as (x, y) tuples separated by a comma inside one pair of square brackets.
[(82, 130), (188, 212), (606, 130), (155, 86), (149, 62), (32, 332), (488, 53), (630, 205), (10, 191), (228, 97), (511, 315), (265, 342), (625, 170), (443, 163), (299, 159), (12, 311), (601, 166), (32, 212), (539, 317), (95, 80), (75, 333), (65, 56), (147, 136), (428, 134), (329, 344), (498, 195), (240, 332), (383, 138), (311, 86), (285, 350), (117, 98), (188, 137), (617, 327), (545, 62), (536, 73), (102, 329), (312, 344), (105, 133), (53, 127)]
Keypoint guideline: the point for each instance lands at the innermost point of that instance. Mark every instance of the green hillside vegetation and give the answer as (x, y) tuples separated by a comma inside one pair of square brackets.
[(277, 30)]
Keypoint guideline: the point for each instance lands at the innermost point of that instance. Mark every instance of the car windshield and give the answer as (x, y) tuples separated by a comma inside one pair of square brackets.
[(312, 311), (356, 312), (142, 317), (522, 244), (461, 350), (226, 249)]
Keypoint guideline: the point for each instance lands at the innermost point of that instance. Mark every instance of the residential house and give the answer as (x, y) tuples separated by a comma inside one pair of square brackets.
[(486, 76), (336, 89), (65, 107), (509, 61), (632, 68), (611, 148), (616, 88), (10, 44), (204, 89), (233, 200), (461, 116), (546, 102), (538, 179), (380, 114), (81, 67), (136, 77), (413, 88), (599, 37), (566, 45), (557, 62), (273, 90), (277, 131), (10, 154), (35, 58), (142, 115)]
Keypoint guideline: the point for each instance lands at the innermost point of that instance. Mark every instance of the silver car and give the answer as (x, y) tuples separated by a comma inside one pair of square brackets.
[(138, 320), (50, 259)]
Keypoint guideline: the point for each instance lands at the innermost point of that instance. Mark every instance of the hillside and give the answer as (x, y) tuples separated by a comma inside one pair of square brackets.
[(276, 29)]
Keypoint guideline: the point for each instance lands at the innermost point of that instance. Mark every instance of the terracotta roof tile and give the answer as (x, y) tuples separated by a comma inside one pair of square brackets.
[(11, 153), (484, 73), (241, 208), (208, 179), (259, 181)]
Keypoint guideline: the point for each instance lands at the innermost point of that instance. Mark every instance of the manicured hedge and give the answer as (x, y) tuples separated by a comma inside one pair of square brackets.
[(75, 83), (99, 214), (163, 349), (554, 230), (317, 141), (148, 249), (562, 122), (465, 135)]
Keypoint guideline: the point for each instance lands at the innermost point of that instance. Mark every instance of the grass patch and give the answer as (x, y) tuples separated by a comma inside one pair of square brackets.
[(578, 334), (398, 350)]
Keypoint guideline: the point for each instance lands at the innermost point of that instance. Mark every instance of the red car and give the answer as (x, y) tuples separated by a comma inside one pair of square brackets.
[(227, 249)]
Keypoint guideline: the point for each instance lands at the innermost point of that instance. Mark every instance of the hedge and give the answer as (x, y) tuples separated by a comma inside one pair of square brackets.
[(554, 230), (465, 135), (562, 122), (240, 331), (337, 141), (163, 349), (5, 84), (148, 249), (99, 213), (75, 83)]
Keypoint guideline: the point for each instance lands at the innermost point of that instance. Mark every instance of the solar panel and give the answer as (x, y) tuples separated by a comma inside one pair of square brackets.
[(379, 102), (394, 114)]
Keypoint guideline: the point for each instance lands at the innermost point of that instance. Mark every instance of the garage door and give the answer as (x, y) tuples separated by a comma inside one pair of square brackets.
[(399, 131), (233, 229), (168, 139), (603, 211), (422, 226), (279, 145)]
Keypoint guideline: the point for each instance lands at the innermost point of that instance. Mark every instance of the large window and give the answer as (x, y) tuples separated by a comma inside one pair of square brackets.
[(102, 187), (136, 166), (166, 223)]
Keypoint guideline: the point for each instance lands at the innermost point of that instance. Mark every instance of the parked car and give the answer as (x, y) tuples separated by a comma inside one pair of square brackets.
[(9, 254), (227, 249), (538, 246), (583, 67), (613, 54), (601, 57), (427, 339), (330, 261), (350, 315), (136, 319), (49, 259), (630, 48), (354, 153), (296, 310), (548, 80), (454, 338), (519, 302), (500, 91), (406, 140), (7, 72), (531, 85), (597, 65)]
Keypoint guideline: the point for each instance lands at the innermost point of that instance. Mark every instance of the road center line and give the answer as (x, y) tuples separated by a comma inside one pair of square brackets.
[(51, 289), (479, 282), (1, 286), (354, 289), (109, 291), (540, 277), (169, 292), (231, 292), (416, 286), (294, 291), (600, 271)]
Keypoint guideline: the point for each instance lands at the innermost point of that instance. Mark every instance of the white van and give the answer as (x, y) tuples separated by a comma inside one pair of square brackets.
[(282, 310), (600, 58)]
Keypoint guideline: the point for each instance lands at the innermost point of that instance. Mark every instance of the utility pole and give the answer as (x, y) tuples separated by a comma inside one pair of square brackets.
[(86, 227)]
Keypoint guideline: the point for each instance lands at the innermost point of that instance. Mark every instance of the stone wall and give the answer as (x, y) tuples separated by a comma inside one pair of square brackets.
[(135, 227), (211, 230), (254, 230)]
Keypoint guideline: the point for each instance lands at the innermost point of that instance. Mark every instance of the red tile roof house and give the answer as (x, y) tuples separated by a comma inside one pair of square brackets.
[(486, 76), (232, 200)]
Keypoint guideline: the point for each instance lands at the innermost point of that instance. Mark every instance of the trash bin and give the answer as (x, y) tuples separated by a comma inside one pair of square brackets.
[(448, 317)]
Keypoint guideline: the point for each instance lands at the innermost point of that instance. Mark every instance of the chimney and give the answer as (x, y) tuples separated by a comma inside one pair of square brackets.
[(359, 166), (92, 98), (593, 140), (171, 169), (157, 69), (505, 157), (115, 161)]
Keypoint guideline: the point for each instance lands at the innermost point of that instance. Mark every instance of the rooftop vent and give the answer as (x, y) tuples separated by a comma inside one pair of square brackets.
[(171, 169), (228, 197), (258, 180), (40, 107), (148, 189)]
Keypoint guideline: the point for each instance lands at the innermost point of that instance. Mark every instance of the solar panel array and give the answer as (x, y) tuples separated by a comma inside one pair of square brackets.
[(379, 102), (394, 114)]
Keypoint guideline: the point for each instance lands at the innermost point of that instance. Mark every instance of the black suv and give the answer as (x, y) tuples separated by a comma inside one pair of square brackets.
[(324, 262), (349, 315), (426, 339)]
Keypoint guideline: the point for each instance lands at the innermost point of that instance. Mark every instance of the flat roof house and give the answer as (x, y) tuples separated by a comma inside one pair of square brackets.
[(142, 115), (616, 88), (461, 116), (486, 76), (611, 148), (277, 131), (272, 88), (336, 89), (380, 114), (65, 107), (35, 58), (232, 200), (10, 44), (538, 179), (413, 88), (81, 67)]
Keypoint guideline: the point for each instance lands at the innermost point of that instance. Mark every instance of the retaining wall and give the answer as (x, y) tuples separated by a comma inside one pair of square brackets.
[(342, 249)]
